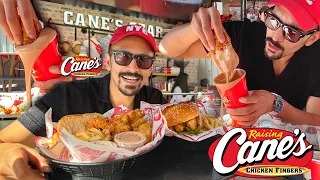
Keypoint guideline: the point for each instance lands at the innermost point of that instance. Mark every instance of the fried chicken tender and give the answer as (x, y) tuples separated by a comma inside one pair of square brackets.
[(135, 115), (99, 123), (124, 118), (26, 38), (180, 127), (108, 128), (220, 46), (138, 122), (146, 129), (120, 129), (117, 126), (192, 124)]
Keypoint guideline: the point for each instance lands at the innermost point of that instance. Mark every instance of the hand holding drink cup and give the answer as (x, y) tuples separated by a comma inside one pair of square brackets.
[(258, 103), (45, 86)]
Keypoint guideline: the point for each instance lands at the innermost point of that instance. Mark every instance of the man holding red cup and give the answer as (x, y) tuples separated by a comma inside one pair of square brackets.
[(279, 55)]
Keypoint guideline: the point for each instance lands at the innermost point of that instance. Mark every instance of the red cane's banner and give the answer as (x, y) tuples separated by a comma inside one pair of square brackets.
[(261, 153), (81, 66)]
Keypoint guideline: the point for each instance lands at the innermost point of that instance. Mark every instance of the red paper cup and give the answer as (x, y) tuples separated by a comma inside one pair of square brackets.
[(49, 56), (231, 92)]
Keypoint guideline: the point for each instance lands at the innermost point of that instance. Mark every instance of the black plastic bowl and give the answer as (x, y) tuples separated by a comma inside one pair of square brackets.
[(96, 171)]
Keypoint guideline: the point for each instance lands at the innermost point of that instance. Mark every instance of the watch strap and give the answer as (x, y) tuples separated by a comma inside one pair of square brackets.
[(278, 104)]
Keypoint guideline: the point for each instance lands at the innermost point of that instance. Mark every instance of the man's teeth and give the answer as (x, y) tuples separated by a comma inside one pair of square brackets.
[(130, 78)]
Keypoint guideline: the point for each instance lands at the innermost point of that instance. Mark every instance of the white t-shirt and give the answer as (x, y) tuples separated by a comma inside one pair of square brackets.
[(179, 98)]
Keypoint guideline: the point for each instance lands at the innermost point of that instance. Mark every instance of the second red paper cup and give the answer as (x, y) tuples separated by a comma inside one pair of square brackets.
[(233, 90), (45, 50), (50, 56)]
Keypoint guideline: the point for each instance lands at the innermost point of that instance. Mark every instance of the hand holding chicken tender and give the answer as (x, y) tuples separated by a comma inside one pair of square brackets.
[(224, 56)]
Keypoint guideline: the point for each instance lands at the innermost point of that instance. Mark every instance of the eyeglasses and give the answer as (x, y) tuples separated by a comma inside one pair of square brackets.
[(124, 58), (292, 34)]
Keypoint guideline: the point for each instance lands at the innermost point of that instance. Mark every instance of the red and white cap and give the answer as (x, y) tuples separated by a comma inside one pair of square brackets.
[(306, 12), (133, 30)]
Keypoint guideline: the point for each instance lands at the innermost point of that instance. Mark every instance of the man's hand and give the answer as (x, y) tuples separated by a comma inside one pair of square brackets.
[(258, 103), (22, 162), (205, 22), (9, 19), (47, 85)]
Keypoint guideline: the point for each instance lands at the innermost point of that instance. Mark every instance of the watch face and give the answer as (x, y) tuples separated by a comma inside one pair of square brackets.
[(278, 104)]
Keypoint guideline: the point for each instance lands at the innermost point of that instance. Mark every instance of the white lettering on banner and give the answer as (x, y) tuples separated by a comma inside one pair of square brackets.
[(158, 32), (80, 19), (66, 14), (118, 22), (94, 21), (79, 65), (256, 154), (151, 30), (104, 23)]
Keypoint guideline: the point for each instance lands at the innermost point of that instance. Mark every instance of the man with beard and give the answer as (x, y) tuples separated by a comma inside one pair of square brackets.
[(131, 55), (280, 56)]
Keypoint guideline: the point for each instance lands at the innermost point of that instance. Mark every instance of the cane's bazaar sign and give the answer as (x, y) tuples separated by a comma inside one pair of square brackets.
[(98, 20)]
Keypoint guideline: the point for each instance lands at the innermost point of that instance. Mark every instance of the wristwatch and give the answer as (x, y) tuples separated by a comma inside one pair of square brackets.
[(277, 106)]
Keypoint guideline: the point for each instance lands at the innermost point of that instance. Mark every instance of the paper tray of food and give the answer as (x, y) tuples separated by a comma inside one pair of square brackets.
[(14, 104), (193, 121), (93, 137)]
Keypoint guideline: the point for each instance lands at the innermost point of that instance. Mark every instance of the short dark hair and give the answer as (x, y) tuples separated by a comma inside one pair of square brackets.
[(204, 82)]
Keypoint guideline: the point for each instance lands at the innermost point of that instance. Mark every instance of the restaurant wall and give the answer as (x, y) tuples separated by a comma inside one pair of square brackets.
[(197, 69)]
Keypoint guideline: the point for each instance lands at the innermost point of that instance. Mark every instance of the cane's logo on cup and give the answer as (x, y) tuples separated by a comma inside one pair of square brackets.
[(310, 2), (225, 100), (81, 66), (261, 152)]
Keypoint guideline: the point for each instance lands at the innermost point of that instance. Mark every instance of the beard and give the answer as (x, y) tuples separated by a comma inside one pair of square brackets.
[(274, 56), (129, 90)]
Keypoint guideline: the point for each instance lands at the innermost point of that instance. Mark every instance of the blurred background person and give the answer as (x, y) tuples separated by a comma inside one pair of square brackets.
[(181, 86)]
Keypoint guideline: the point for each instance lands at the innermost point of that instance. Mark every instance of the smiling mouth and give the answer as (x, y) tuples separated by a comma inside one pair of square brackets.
[(131, 78)]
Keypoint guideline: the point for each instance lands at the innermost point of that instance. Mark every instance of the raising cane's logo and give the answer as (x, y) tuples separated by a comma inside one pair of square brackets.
[(261, 152), (81, 66)]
